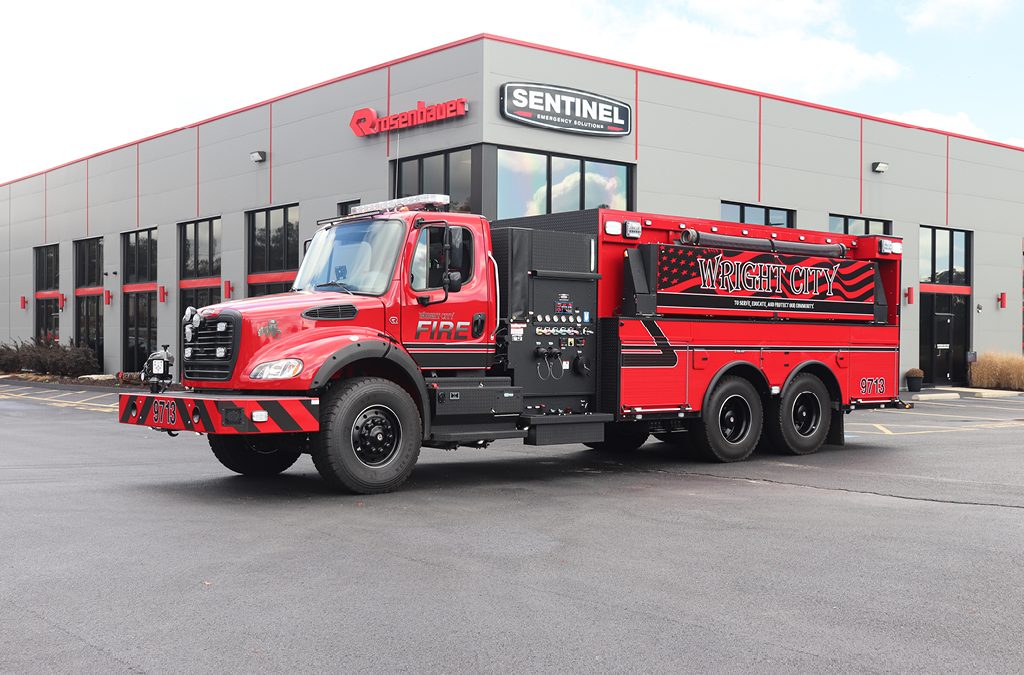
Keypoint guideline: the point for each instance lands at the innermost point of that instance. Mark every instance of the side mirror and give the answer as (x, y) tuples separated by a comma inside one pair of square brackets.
[(305, 246), (452, 281), (453, 247)]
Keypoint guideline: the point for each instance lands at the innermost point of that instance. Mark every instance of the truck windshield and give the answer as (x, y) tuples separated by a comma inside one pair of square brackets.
[(357, 257)]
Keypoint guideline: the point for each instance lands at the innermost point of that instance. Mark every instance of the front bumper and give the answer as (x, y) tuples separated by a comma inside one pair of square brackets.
[(228, 413)]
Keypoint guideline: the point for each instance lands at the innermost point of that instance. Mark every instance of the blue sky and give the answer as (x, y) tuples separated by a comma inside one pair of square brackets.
[(83, 77)]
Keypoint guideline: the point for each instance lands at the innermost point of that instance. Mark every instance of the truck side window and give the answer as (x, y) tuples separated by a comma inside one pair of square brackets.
[(428, 264)]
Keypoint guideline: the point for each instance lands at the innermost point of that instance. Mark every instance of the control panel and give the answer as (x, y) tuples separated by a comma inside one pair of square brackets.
[(554, 345)]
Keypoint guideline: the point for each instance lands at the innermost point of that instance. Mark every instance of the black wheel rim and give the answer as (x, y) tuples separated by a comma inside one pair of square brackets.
[(806, 413), (376, 436), (734, 419)]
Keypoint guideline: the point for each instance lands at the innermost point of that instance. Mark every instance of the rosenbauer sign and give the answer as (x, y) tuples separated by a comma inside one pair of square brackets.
[(564, 109), (365, 121)]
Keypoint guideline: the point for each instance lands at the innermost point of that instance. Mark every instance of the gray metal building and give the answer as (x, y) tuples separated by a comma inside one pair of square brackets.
[(109, 249)]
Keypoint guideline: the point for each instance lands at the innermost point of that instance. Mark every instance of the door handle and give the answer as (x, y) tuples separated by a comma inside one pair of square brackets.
[(478, 324)]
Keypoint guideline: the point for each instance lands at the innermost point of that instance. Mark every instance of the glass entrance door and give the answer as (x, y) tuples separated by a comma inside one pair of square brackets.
[(139, 329), (945, 326), (942, 349)]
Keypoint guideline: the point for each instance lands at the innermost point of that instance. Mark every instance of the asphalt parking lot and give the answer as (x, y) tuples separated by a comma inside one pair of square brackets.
[(123, 550)]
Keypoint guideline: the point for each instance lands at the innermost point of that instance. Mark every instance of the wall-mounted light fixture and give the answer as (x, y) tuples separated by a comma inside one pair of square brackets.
[(1001, 300), (61, 301), (228, 288), (107, 297), (161, 293), (257, 156), (909, 295), (880, 167), (24, 302)]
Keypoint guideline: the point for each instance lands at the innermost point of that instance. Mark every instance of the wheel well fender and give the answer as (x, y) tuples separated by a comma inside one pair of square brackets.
[(823, 373), (744, 369), (381, 359)]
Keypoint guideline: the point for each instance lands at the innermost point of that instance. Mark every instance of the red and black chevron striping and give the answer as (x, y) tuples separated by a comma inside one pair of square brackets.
[(219, 414)]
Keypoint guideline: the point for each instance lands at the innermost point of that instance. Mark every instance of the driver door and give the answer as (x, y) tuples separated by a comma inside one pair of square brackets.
[(446, 333)]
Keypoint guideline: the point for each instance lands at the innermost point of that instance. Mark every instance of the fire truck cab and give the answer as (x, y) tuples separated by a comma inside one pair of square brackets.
[(411, 326)]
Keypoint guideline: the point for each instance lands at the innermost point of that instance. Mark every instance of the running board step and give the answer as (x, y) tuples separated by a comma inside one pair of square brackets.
[(462, 434)]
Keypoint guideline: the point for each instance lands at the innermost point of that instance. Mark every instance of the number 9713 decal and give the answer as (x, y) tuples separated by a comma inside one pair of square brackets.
[(872, 385)]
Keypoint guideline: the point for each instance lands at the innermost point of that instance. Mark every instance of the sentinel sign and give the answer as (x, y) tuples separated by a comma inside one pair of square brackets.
[(564, 109), (365, 121)]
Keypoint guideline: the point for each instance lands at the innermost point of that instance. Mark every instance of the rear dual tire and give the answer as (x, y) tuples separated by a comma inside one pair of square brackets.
[(798, 422), (622, 437), (731, 423)]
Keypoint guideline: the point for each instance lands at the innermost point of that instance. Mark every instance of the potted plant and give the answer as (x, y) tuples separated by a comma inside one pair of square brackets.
[(914, 378)]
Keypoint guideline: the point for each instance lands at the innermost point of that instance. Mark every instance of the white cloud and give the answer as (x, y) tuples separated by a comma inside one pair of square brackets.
[(958, 14), (958, 122), (115, 70)]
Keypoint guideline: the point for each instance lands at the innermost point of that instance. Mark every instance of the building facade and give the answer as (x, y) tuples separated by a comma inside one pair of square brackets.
[(108, 250)]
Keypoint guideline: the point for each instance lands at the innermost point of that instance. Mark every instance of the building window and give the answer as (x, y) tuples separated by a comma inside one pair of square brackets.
[(274, 239), (89, 296), (345, 208), (533, 183), (445, 173), (428, 264), (199, 248), (754, 214), (139, 256), (47, 305), (944, 256), (47, 268), (256, 290), (200, 297), (89, 263), (858, 226)]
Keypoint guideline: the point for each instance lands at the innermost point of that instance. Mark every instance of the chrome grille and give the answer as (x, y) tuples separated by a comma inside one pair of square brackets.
[(203, 363)]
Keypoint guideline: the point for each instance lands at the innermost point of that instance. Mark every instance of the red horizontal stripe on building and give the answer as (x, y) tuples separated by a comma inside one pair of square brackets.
[(947, 289), (47, 295), (202, 282), (88, 290), (149, 286), (272, 277)]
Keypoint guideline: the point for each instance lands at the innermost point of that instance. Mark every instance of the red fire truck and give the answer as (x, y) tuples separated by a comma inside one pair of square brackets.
[(410, 326)]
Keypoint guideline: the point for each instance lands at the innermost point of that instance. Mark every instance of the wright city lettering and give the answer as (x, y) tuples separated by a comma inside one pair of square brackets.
[(728, 275)]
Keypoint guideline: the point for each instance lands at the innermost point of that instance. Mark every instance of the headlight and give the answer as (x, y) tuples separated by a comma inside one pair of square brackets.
[(277, 370), (197, 321), (189, 332)]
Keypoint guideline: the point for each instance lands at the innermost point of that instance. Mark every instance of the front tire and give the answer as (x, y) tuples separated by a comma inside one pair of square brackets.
[(370, 436), (730, 425), (255, 454), (798, 423)]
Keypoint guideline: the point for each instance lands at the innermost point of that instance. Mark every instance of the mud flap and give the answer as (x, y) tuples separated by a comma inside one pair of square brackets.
[(836, 432)]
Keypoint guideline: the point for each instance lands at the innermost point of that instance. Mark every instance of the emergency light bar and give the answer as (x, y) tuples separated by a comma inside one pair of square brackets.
[(413, 203)]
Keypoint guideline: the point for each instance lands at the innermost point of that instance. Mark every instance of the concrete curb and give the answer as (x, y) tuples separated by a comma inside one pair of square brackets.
[(990, 394), (938, 396)]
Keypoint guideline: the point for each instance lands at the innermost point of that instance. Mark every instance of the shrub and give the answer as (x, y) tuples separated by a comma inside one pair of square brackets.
[(915, 372), (998, 371), (48, 358)]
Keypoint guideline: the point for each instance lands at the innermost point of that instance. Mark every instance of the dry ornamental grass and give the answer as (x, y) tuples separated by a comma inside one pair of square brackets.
[(998, 371)]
